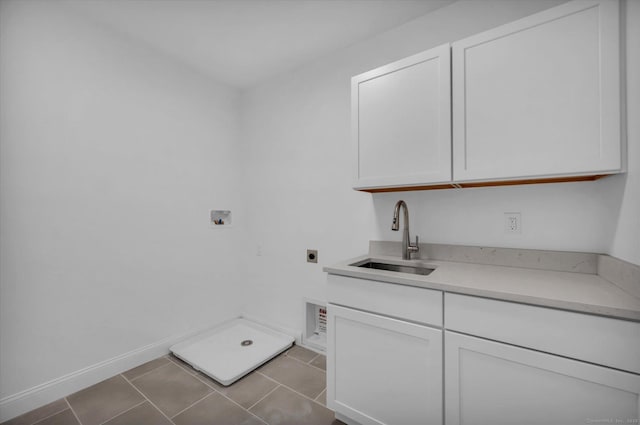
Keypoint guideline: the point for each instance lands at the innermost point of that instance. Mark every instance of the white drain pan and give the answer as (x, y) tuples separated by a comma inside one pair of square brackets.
[(232, 350)]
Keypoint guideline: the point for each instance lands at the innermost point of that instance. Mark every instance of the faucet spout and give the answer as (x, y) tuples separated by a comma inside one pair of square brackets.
[(407, 247)]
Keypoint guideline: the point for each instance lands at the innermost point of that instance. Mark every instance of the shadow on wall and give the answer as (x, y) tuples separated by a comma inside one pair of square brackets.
[(614, 189)]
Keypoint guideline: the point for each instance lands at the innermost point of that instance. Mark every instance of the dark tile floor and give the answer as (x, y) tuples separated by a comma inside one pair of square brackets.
[(288, 390)]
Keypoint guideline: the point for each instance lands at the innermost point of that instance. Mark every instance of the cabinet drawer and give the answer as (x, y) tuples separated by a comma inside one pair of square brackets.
[(601, 340), (400, 301)]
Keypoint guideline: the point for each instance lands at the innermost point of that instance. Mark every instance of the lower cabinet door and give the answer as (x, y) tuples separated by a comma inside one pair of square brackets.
[(382, 370), (492, 383)]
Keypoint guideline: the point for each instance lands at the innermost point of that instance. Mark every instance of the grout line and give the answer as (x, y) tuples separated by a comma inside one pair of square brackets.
[(257, 417), (184, 366), (149, 371), (308, 364), (269, 378), (47, 417), (319, 368), (215, 390), (242, 407), (193, 404), (286, 353), (206, 381), (262, 398), (316, 399), (73, 411), (122, 413), (145, 397), (252, 414), (299, 393)]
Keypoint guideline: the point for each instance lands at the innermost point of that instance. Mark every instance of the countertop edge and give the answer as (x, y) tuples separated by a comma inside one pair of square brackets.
[(344, 269)]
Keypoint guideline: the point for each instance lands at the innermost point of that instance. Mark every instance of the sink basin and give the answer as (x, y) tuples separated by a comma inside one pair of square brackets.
[(370, 264)]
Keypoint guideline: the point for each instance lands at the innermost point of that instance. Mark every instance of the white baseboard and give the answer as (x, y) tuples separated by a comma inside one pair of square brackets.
[(32, 398)]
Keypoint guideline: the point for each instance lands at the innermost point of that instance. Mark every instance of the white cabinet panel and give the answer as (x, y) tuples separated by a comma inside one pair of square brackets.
[(493, 383), (382, 370), (580, 336), (400, 301), (539, 97), (401, 121)]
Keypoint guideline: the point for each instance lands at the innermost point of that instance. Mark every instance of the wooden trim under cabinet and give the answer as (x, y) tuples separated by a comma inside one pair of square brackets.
[(486, 184)]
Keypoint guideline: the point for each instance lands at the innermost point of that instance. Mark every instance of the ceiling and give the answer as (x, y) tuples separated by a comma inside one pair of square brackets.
[(244, 42)]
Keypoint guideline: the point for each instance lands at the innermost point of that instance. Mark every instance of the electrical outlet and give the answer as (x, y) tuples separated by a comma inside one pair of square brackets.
[(312, 256), (513, 223)]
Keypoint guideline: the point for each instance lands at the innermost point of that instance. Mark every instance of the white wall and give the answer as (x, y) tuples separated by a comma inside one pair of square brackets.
[(111, 157), (297, 142), (626, 242)]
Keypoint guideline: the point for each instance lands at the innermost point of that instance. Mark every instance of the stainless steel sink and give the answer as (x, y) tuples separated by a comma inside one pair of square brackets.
[(371, 264)]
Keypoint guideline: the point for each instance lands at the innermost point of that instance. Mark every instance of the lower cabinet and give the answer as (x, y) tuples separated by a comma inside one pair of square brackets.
[(487, 382), (383, 370), (501, 363)]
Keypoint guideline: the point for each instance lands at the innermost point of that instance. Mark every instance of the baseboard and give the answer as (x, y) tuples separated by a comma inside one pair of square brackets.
[(346, 420), (32, 398)]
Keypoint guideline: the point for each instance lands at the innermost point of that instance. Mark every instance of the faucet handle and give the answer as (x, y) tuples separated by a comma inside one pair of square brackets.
[(414, 248)]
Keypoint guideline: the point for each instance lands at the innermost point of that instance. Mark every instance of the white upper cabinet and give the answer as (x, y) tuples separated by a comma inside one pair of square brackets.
[(539, 97), (401, 122)]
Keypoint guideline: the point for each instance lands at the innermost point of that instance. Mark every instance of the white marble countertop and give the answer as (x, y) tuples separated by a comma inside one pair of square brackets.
[(581, 292)]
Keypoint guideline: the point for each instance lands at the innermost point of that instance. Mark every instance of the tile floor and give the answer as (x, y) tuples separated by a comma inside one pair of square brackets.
[(288, 390)]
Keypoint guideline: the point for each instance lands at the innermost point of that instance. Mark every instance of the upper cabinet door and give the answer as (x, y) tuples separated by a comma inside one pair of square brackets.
[(401, 122), (539, 97)]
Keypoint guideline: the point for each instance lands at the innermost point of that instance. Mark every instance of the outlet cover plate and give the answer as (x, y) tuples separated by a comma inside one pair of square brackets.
[(312, 255), (513, 223)]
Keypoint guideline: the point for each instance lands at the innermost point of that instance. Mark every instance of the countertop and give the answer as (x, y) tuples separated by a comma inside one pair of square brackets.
[(580, 292)]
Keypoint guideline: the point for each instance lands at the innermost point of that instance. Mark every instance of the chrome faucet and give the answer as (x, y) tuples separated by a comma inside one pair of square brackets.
[(407, 248)]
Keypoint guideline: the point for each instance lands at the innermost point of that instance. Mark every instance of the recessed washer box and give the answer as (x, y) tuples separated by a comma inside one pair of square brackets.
[(232, 350)]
